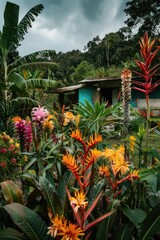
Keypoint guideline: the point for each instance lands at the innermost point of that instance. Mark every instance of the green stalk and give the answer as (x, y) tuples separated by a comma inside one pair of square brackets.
[(147, 130)]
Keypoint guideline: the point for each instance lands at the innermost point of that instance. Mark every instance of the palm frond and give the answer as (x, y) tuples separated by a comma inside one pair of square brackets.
[(9, 32), (33, 66), (17, 80), (40, 83), (24, 100), (26, 21)]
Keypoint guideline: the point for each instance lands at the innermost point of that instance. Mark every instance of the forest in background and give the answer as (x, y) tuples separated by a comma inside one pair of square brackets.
[(107, 56)]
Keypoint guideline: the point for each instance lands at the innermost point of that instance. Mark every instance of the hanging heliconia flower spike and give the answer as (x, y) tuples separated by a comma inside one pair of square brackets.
[(126, 76)]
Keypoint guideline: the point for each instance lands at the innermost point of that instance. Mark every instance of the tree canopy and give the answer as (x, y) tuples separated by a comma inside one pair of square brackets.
[(145, 15)]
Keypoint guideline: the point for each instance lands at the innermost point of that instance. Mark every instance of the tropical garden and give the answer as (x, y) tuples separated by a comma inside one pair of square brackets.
[(61, 175)]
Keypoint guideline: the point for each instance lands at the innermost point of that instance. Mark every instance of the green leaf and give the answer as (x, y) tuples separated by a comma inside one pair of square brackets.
[(10, 234), (40, 83), (9, 33), (11, 192), (136, 215), (18, 80), (150, 176), (106, 225), (124, 233), (24, 100), (26, 21), (50, 195), (29, 164), (64, 182), (28, 221), (151, 224)]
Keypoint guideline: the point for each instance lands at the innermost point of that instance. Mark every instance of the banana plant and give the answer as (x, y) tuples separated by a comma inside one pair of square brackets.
[(13, 86)]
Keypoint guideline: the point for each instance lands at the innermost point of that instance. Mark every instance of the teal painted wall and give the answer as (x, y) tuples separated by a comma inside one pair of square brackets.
[(86, 94), (139, 95)]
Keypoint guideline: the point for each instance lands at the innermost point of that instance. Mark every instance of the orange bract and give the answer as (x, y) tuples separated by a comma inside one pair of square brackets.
[(104, 170), (16, 119), (71, 232), (58, 222), (77, 135), (71, 163), (94, 139), (68, 231), (93, 155)]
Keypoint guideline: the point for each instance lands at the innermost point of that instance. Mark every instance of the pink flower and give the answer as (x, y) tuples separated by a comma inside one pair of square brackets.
[(13, 160), (24, 132), (28, 135), (3, 164), (39, 114)]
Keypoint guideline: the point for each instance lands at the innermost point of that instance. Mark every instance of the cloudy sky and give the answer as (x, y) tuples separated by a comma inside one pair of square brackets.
[(65, 25)]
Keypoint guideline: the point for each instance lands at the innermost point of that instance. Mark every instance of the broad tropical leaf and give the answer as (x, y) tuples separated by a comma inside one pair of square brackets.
[(18, 80), (10, 234), (136, 215), (65, 181), (11, 192), (151, 224), (28, 221), (9, 33), (123, 233), (106, 225), (50, 195), (26, 21), (40, 83), (24, 100), (34, 65)]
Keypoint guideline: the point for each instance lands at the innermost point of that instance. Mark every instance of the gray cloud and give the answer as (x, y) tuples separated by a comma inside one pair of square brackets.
[(65, 25)]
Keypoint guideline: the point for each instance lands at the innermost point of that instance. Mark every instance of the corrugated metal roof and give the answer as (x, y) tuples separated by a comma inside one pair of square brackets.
[(92, 80), (69, 88)]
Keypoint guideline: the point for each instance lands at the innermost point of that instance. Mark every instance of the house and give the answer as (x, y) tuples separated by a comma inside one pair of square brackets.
[(107, 90)]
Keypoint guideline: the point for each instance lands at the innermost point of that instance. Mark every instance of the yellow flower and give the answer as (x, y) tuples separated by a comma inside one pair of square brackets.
[(114, 154), (78, 200), (17, 145), (132, 143), (120, 165), (11, 141), (25, 158), (68, 116), (104, 170), (77, 119), (94, 139), (71, 163), (77, 135), (48, 123)]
